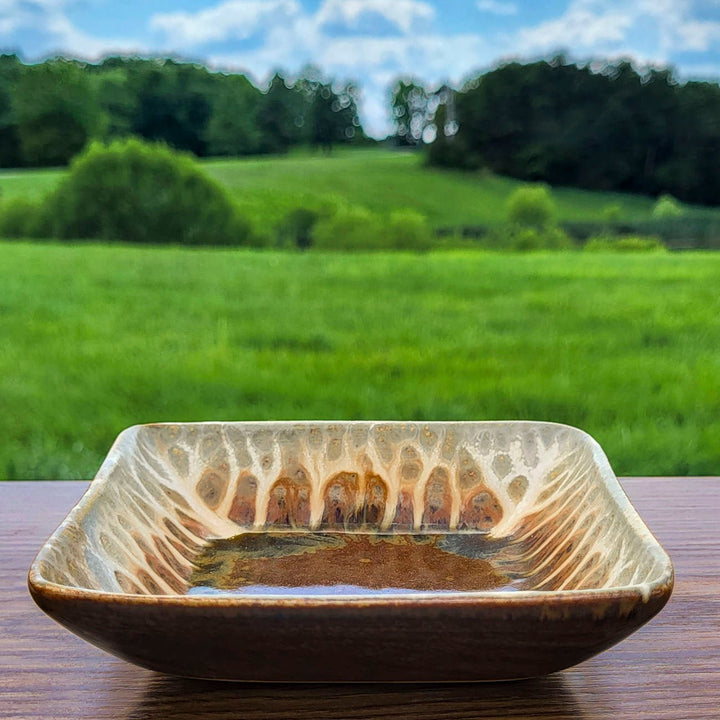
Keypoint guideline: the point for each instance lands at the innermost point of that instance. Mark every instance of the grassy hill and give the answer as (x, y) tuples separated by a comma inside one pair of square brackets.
[(98, 338), (381, 180)]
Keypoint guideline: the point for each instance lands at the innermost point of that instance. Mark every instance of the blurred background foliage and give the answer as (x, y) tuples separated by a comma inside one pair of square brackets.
[(542, 159), (601, 126), (49, 111)]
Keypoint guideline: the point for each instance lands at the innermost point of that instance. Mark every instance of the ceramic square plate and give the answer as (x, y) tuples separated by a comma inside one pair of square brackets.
[(353, 551)]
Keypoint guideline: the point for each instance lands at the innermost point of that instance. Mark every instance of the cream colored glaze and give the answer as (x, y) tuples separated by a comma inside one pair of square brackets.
[(165, 490)]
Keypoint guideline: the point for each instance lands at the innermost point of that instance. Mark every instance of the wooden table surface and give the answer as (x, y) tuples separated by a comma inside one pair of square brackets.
[(668, 669)]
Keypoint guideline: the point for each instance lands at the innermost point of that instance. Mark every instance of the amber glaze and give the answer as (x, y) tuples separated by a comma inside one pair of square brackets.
[(343, 563)]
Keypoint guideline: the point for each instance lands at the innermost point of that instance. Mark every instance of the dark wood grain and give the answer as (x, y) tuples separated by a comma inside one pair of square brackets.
[(668, 669)]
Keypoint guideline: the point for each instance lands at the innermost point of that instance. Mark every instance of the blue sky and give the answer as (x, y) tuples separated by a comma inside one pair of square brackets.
[(370, 41)]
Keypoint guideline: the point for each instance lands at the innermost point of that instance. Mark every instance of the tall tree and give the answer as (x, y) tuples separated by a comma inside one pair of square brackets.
[(10, 69), (172, 103), (232, 128), (334, 116), (279, 116), (116, 97), (57, 112)]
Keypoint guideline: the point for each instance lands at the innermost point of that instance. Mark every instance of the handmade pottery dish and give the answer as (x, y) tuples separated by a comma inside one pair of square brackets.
[(355, 551)]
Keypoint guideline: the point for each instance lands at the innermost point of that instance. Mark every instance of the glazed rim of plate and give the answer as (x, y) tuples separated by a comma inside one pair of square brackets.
[(166, 488)]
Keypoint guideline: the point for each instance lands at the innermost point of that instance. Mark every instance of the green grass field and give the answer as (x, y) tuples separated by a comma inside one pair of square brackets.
[(381, 180), (96, 338)]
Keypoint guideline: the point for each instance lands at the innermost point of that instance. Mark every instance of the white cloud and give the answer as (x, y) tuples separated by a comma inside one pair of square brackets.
[(698, 36), (61, 35), (424, 55), (497, 7), (581, 26), (240, 19), (403, 14), (285, 46), (648, 29), (19, 14), (236, 19)]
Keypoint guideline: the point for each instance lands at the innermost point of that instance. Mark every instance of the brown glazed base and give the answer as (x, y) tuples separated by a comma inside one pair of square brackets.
[(439, 640)]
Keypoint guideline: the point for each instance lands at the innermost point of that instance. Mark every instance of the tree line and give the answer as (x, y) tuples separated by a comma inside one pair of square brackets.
[(610, 128), (49, 111), (601, 126)]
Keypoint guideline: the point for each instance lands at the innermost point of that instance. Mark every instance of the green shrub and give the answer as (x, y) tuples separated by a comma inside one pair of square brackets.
[(408, 230), (351, 227), (531, 206), (532, 238), (667, 207), (138, 192), (626, 243), (24, 218)]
